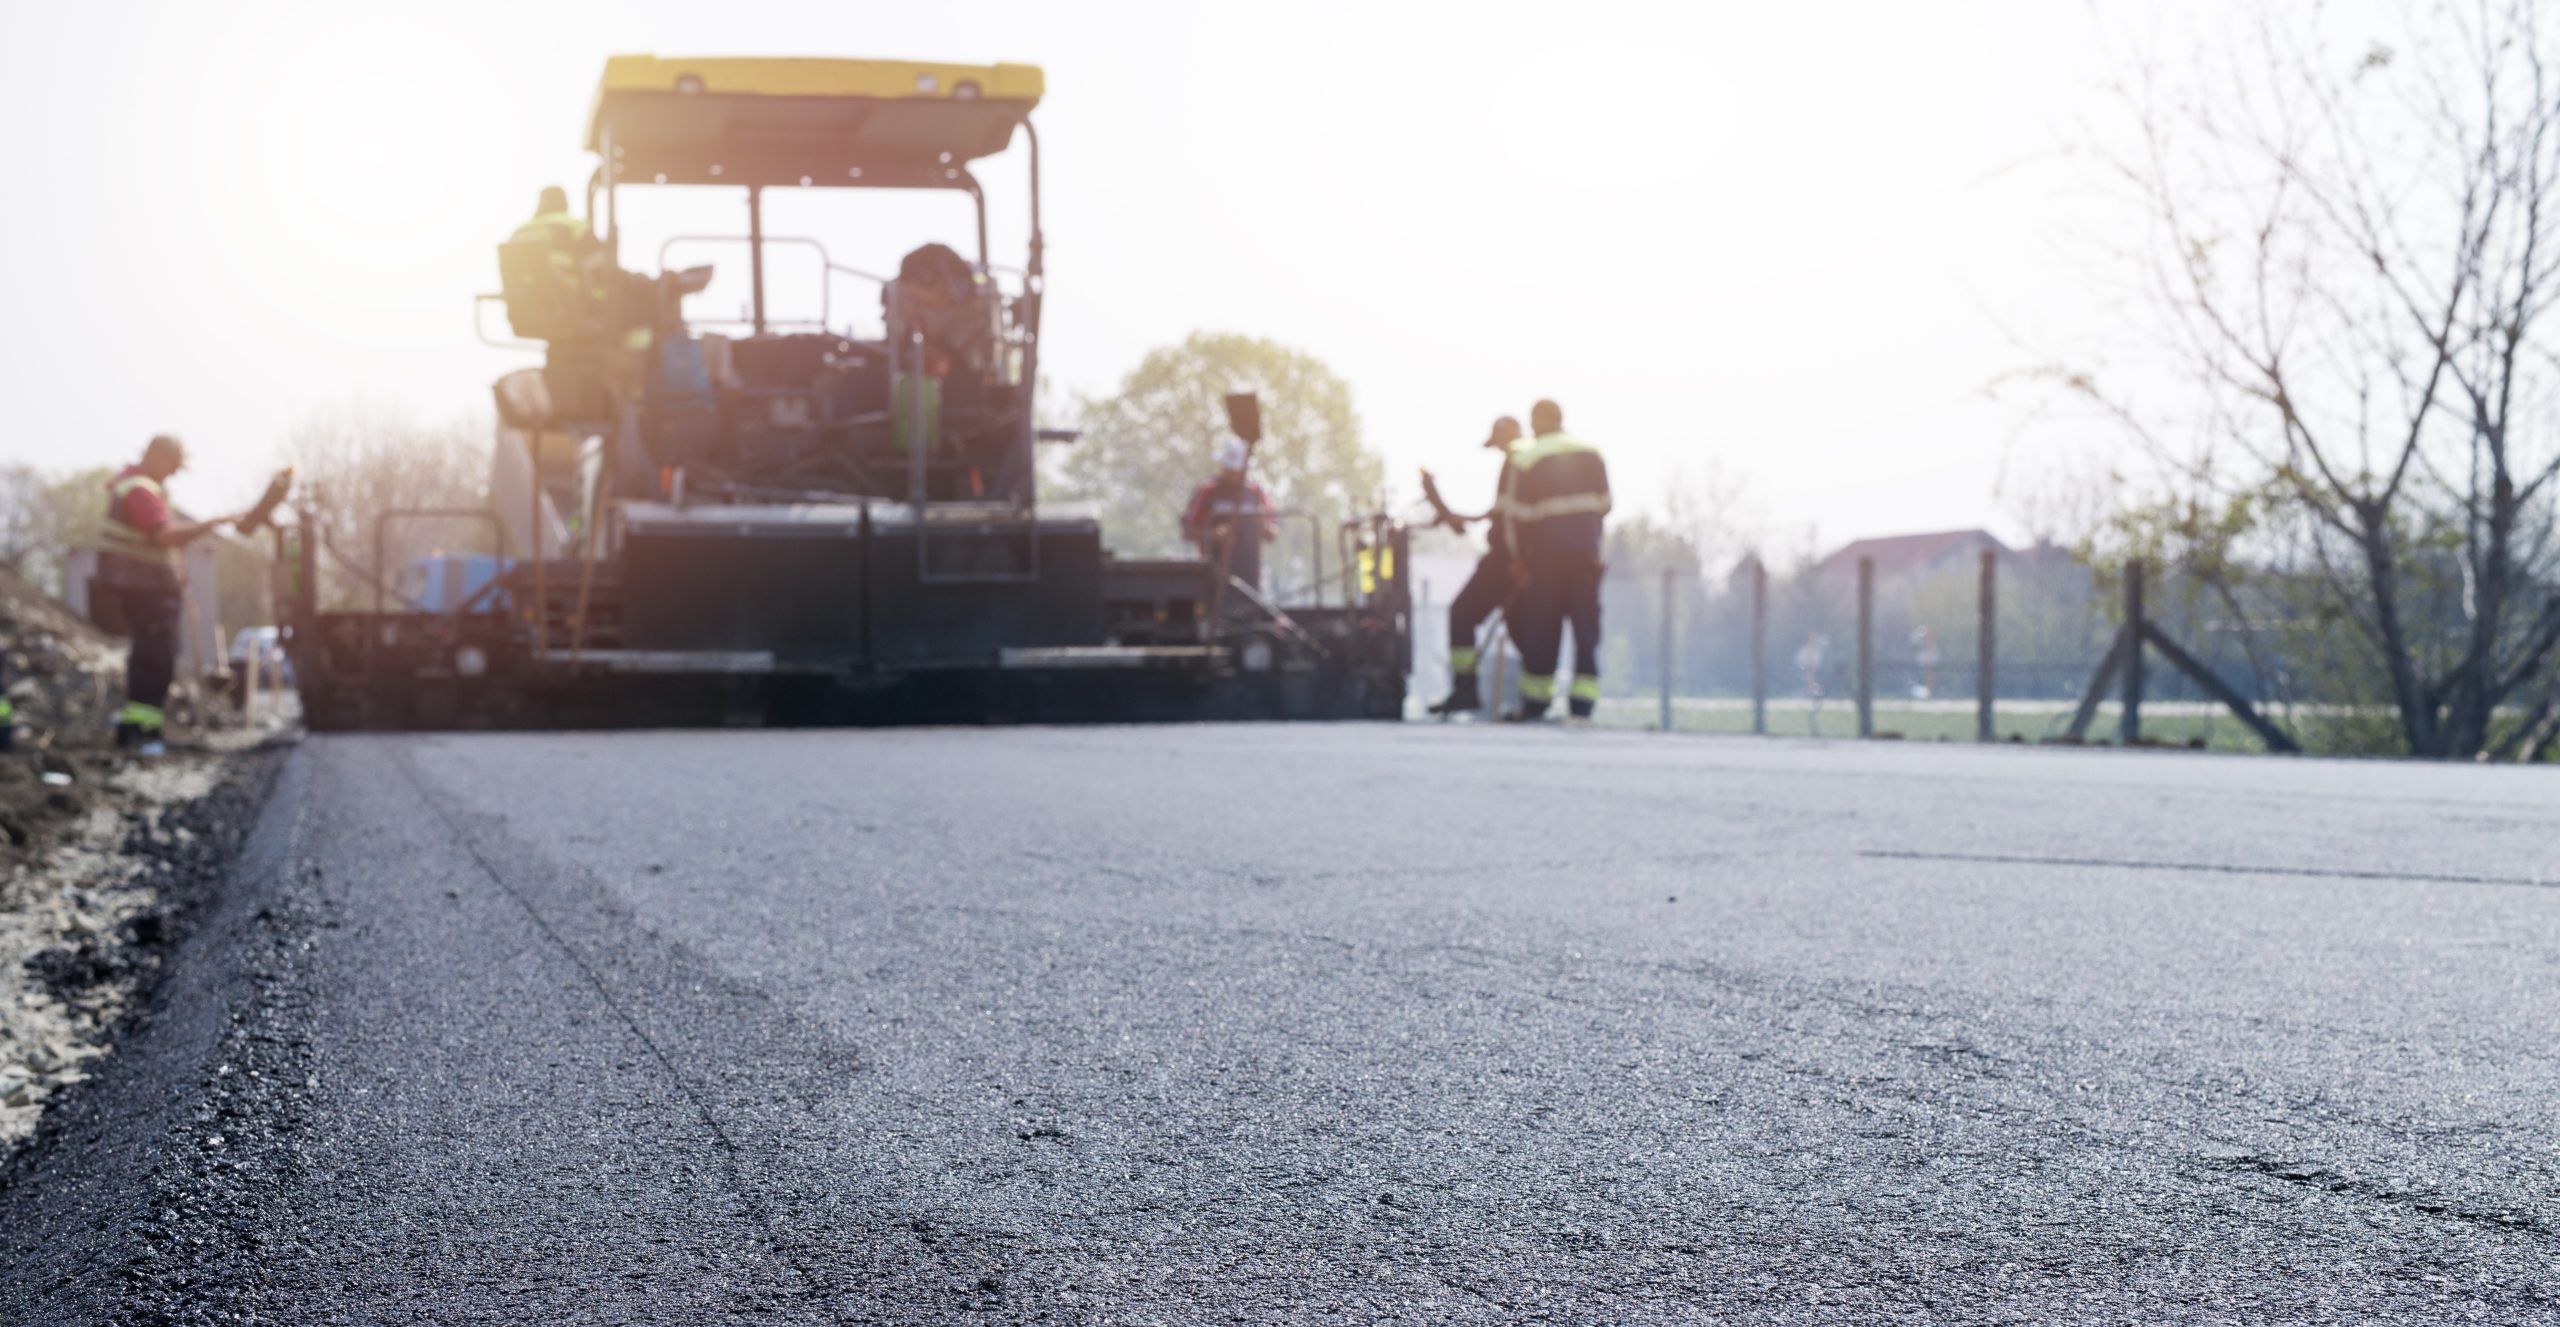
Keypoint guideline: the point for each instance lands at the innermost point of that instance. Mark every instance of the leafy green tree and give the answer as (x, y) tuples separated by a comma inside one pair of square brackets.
[(46, 517), (1147, 445)]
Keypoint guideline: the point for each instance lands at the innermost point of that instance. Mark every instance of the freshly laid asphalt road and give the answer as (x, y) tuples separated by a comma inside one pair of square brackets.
[(1334, 1024)]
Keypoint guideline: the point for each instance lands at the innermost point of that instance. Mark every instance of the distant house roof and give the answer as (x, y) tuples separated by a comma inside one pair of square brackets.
[(1902, 554)]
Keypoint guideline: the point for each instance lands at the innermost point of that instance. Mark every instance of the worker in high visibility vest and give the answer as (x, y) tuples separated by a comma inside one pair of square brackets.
[(552, 221), (555, 274), (1557, 501), (139, 585), (572, 244), (1488, 587)]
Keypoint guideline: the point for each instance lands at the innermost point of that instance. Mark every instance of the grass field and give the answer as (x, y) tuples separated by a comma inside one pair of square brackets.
[(2168, 723)]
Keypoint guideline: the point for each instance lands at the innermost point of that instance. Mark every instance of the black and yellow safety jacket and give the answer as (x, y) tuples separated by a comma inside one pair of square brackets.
[(563, 231), (554, 278), (1555, 497), (570, 248), (126, 553)]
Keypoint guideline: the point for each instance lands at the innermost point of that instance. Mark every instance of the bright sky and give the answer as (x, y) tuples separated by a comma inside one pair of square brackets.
[(1796, 240)]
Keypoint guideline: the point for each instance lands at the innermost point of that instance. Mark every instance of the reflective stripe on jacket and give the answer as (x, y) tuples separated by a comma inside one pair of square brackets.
[(568, 243), (1556, 497), (556, 228), (119, 537)]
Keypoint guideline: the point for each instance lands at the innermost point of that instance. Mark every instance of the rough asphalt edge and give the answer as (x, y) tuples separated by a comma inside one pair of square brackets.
[(138, 1183)]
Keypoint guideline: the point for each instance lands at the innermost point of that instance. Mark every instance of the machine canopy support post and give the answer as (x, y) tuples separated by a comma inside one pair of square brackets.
[(1027, 319), (978, 196), (910, 343), (1034, 269), (755, 250), (612, 220)]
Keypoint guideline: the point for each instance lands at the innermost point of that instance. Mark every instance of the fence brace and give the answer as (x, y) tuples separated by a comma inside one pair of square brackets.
[(2125, 653)]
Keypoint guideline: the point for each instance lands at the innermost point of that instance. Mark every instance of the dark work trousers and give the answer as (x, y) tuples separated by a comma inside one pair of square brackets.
[(1486, 590), (149, 614), (1561, 590), (1244, 558)]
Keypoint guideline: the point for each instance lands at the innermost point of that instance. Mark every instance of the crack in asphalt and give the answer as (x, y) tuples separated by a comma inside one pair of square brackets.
[(2209, 868), (2311, 1176), (730, 1154)]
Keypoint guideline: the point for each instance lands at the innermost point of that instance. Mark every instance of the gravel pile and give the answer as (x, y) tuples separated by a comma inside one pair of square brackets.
[(64, 674), (79, 829), (65, 679), (78, 921)]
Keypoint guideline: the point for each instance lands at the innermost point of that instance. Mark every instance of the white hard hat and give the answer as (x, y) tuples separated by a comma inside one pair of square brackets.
[(1231, 453)]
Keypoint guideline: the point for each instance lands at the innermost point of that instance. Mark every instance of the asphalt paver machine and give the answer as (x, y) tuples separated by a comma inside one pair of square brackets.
[(783, 520)]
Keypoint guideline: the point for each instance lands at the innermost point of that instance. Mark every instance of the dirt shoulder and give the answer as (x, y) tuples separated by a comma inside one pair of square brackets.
[(101, 856), (128, 853)]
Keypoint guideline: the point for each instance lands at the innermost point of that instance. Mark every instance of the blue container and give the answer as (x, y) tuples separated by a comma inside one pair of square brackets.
[(442, 584)]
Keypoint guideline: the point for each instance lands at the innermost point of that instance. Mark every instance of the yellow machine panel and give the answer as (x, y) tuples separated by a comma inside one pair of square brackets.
[(762, 76), (839, 123)]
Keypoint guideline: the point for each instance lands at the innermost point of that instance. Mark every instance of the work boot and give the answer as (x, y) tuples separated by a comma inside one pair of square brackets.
[(1579, 708), (1530, 711), (1462, 697)]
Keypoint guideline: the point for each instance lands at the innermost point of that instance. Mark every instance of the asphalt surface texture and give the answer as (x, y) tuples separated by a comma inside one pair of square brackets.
[(1330, 1024)]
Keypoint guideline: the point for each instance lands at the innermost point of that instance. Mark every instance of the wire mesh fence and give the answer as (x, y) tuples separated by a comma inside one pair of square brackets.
[(1955, 638)]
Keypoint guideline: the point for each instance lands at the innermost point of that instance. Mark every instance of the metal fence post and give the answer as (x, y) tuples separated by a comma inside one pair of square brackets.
[(2129, 723), (1759, 646), (1668, 579), (1866, 647), (1985, 651)]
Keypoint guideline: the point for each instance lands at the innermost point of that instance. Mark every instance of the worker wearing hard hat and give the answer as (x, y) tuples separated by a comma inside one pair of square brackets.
[(1488, 587), (139, 585), (1230, 516), (553, 270), (553, 221), (572, 242), (1557, 499)]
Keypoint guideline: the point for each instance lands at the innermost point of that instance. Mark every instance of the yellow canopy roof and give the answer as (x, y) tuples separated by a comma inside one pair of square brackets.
[(754, 120)]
